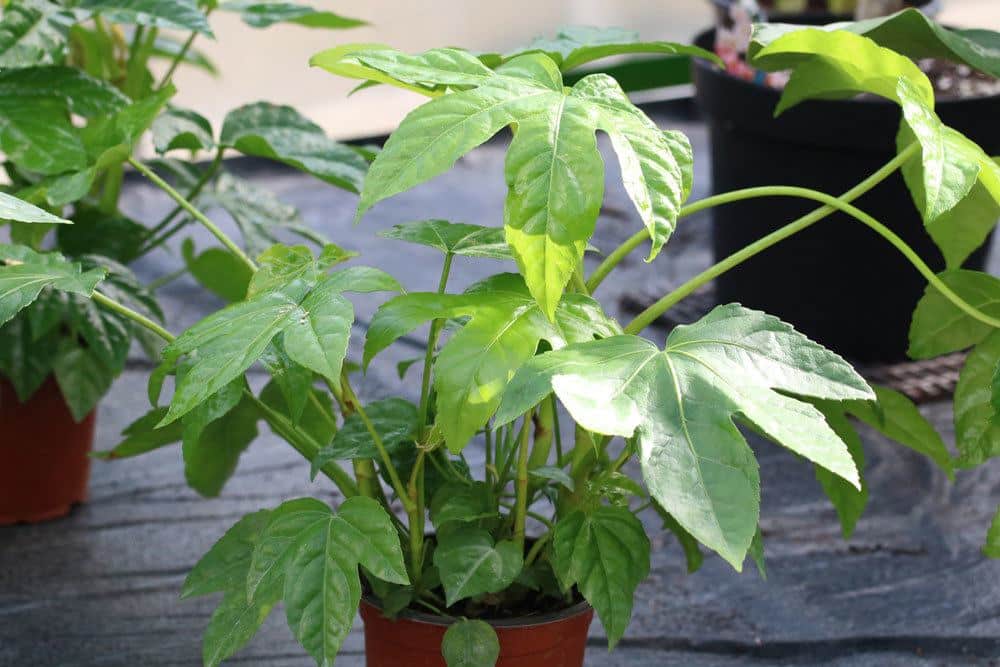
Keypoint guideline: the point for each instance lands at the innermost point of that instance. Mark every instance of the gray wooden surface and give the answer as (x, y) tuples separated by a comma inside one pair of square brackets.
[(100, 587)]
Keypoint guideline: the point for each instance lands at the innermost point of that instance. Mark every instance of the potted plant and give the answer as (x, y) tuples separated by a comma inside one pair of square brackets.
[(821, 144), (94, 61), (501, 565)]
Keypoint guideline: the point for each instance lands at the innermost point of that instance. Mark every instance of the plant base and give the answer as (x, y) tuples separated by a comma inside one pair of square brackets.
[(557, 640), (44, 466)]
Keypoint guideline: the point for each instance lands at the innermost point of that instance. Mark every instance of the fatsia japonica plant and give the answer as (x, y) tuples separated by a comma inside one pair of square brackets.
[(83, 82), (529, 368)]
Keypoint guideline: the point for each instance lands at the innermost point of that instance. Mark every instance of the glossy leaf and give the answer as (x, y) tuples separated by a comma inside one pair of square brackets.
[(471, 563), (605, 553), (394, 419), (24, 274), (33, 32), (453, 238), (172, 14), (265, 13), (282, 133), (680, 403), (940, 327), (963, 229), (554, 173), (178, 128), (977, 417), (17, 210), (477, 362), (470, 644), (322, 588)]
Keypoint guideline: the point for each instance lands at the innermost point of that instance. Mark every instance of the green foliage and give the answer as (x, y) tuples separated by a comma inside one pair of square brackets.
[(173, 14), (992, 546), (470, 644), (453, 238), (24, 274), (977, 418), (182, 128), (606, 554), (34, 32), (939, 327), (265, 13), (471, 563), (395, 421)]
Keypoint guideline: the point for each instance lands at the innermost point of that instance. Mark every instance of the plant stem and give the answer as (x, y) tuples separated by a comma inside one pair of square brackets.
[(142, 320), (633, 242), (195, 213), (646, 317), (417, 529), (521, 509), (536, 549), (432, 338), (178, 59)]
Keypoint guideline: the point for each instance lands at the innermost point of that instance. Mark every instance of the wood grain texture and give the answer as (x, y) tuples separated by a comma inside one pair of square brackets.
[(101, 586)]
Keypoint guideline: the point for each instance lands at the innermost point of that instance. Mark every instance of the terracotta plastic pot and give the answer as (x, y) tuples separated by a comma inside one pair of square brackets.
[(44, 466), (414, 640)]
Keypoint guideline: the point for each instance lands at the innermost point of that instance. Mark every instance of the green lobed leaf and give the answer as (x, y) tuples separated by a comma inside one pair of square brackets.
[(977, 419), (471, 563), (453, 238), (224, 567), (680, 403), (178, 128), (940, 327), (605, 553), (265, 13), (172, 14), (282, 133), (470, 644), (234, 622), (24, 274), (394, 419), (278, 540)]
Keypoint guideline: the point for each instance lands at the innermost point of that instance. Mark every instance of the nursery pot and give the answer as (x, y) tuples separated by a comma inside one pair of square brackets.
[(44, 462), (414, 639), (837, 281)]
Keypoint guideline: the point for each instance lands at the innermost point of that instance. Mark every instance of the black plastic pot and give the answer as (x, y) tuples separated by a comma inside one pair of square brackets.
[(837, 281)]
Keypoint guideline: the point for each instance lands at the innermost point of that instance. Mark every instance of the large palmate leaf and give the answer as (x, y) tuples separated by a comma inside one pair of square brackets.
[(24, 274), (680, 402), (33, 32), (17, 210), (606, 554), (554, 172), (470, 644), (573, 46), (173, 14), (475, 365), (471, 563), (322, 589), (977, 408), (282, 133), (940, 327), (314, 317), (911, 33), (265, 13), (453, 238)]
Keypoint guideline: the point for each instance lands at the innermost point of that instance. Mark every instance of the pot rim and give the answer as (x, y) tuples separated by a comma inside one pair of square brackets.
[(578, 609)]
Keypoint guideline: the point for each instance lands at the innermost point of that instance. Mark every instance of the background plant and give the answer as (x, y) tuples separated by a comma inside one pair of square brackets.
[(547, 521)]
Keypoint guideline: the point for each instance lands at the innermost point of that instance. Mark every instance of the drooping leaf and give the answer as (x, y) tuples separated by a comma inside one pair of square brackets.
[(394, 419), (680, 402), (606, 554), (218, 270), (692, 552), (471, 563), (463, 503), (24, 274), (172, 14), (265, 13), (234, 622), (212, 450), (142, 436), (83, 379), (963, 229), (477, 362), (453, 238), (182, 128), (848, 501), (33, 32), (107, 334), (26, 359), (553, 169), (282, 133), (17, 210), (977, 417), (940, 327), (322, 588), (292, 395), (470, 644)]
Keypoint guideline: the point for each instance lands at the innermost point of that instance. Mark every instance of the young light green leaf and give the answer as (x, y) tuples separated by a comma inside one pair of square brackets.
[(463, 503), (224, 566), (977, 417), (265, 13), (322, 588), (172, 14), (178, 128), (680, 404), (282, 133), (17, 210), (992, 547), (394, 419), (606, 554), (470, 644), (471, 564), (453, 238), (940, 327)]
